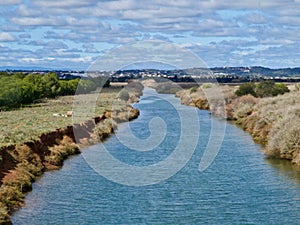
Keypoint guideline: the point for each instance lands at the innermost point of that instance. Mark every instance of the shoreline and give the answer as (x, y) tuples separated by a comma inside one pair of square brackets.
[(22, 163), (263, 118), (271, 121)]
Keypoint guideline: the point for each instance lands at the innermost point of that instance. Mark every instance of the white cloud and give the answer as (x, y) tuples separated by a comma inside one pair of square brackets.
[(87, 59), (29, 60), (4, 36), (288, 20), (24, 10), (66, 26), (38, 21), (65, 3)]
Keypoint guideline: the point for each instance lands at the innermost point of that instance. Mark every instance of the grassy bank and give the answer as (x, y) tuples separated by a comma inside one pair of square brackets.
[(28, 123), (38, 137), (272, 121)]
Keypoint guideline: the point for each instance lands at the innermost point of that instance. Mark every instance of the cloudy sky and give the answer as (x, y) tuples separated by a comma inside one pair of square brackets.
[(73, 33)]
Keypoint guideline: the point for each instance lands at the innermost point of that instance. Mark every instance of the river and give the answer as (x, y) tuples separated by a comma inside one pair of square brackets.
[(241, 186)]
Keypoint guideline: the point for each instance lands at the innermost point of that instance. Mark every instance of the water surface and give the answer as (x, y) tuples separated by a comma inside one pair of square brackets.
[(240, 187)]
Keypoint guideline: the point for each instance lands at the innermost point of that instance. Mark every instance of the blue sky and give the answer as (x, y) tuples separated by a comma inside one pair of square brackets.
[(74, 33)]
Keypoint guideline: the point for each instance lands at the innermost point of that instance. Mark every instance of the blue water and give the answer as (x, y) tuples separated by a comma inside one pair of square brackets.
[(239, 187)]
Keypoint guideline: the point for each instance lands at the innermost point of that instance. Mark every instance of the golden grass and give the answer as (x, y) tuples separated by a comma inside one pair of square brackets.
[(272, 121)]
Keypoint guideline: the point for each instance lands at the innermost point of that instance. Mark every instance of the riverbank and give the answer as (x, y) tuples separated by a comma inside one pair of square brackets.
[(23, 162), (240, 187), (273, 122)]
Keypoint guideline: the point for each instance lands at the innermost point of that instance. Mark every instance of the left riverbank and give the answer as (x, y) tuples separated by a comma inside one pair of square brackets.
[(29, 156)]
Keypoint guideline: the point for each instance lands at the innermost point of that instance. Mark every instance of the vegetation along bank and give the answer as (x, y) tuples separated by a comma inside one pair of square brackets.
[(269, 111), (38, 137)]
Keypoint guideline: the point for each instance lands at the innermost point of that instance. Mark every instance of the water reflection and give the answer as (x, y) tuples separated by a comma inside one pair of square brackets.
[(285, 169)]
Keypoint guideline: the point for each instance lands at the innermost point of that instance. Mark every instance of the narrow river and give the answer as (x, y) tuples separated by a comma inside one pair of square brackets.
[(241, 186)]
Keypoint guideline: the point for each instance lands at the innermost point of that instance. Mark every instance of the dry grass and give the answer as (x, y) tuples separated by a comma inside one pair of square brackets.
[(208, 96), (272, 121), (61, 151), (283, 112), (241, 107)]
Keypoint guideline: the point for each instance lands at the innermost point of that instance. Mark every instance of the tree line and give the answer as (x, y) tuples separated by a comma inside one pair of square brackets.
[(18, 89)]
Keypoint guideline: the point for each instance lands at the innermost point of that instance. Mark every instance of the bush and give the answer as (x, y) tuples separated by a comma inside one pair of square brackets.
[(11, 197), (207, 85), (124, 95), (242, 107), (61, 151), (285, 138), (246, 89), (280, 89), (270, 88), (193, 90), (262, 89)]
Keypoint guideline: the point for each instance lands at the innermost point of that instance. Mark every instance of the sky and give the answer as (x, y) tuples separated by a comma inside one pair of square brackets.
[(73, 34)]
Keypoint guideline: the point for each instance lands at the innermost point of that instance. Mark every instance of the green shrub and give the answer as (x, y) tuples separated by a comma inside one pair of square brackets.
[(11, 196), (123, 95), (4, 214), (207, 85), (270, 88), (280, 89), (193, 90), (246, 89), (262, 89)]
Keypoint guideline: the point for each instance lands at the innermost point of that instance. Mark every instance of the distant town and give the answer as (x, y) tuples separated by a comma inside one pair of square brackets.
[(219, 74)]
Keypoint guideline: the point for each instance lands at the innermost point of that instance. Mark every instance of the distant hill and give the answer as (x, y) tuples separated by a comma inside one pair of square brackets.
[(259, 70), (221, 71)]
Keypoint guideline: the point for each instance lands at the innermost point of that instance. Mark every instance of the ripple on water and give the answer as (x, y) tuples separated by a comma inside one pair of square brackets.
[(240, 187)]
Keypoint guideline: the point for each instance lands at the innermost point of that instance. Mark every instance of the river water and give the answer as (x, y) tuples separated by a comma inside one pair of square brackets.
[(241, 186)]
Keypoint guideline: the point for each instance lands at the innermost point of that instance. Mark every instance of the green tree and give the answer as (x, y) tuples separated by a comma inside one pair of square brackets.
[(28, 94), (52, 87), (101, 81), (18, 89), (37, 82), (86, 86), (11, 95), (68, 87)]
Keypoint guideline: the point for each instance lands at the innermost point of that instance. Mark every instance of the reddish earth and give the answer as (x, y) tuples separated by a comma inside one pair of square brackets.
[(41, 146)]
